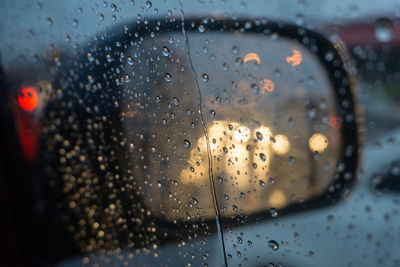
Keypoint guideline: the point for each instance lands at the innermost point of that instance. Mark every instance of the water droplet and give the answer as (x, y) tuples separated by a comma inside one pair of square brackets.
[(131, 146), (296, 235), (195, 201), (262, 183), (235, 208), (75, 22), (225, 66), (176, 101), (186, 143), (130, 61), (219, 179), (274, 212), (168, 77), (273, 244), (329, 56), (205, 77), (148, 4), (109, 58), (263, 157), (271, 180), (235, 50), (259, 136), (255, 88), (292, 121), (311, 112), (165, 51), (299, 19), (212, 113), (49, 21), (201, 28), (291, 160), (90, 79), (239, 61), (383, 30), (113, 7)]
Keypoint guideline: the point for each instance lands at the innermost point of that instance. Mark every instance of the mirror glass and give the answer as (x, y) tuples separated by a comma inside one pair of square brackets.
[(254, 114)]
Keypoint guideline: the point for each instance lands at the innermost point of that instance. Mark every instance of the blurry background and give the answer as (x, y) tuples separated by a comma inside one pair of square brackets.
[(363, 230)]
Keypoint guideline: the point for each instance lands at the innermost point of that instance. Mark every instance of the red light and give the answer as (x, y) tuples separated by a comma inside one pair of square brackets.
[(335, 122), (28, 98)]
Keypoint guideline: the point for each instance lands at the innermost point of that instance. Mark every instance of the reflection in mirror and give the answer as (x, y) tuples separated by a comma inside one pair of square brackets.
[(265, 135)]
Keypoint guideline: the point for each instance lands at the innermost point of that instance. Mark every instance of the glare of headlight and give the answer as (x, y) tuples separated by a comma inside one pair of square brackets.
[(281, 145), (318, 143)]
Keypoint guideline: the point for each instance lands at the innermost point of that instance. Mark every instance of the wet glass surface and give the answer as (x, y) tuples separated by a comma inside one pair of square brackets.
[(178, 133)]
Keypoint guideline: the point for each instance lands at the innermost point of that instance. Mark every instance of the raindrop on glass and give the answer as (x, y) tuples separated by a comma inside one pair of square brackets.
[(273, 244), (291, 160), (201, 28), (186, 143), (168, 77), (383, 30), (165, 51), (274, 212), (212, 113)]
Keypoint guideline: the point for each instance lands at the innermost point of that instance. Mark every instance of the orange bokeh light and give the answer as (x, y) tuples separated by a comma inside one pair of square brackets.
[(28, 98), (295, 59), (268, 86), (252, 56)]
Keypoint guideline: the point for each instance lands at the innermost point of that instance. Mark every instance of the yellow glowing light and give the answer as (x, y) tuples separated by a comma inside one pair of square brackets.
[(216, 131), (281, 145), (252, 56), (268, 86), (217, 128), (318, 143), (242, 134), (263, 134), (295, 59), (277, 199)]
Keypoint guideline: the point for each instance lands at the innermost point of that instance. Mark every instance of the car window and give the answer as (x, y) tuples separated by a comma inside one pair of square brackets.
[(189, 133)]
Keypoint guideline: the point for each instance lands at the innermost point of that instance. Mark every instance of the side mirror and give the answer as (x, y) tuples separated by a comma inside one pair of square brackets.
[(163, 127)]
